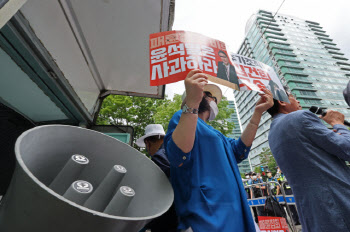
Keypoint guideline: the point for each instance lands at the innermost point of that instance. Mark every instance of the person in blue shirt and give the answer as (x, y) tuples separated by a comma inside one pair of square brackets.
[(209, 194), (256, 189), (274, 188), (247, 181), (312, 159), (256, 192)]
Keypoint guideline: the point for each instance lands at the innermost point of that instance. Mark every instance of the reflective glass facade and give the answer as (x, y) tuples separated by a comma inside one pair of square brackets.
[(305, 59)]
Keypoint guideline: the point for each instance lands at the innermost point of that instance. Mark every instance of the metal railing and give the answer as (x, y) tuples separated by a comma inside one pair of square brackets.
[(285, 199)]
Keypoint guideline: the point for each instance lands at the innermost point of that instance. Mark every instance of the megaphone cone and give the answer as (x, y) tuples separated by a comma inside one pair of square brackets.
[(42, 154)]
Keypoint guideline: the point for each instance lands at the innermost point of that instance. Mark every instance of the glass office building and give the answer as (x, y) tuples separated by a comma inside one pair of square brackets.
[(306, 60), (244, 166)]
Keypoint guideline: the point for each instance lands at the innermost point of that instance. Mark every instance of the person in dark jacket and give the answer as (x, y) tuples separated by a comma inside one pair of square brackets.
[(312, 158), (153, 142), (346, 93)]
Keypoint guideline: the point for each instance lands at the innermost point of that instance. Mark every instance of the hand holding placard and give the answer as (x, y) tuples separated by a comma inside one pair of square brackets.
[(194, 83), (173, 54)]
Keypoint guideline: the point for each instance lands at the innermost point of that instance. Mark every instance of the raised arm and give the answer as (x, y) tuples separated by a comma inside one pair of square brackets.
[(336, 143), (265, 102), (184, 133)]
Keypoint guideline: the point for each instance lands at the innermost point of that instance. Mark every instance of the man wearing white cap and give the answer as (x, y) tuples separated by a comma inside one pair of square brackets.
[(153, 142), (209, 194)]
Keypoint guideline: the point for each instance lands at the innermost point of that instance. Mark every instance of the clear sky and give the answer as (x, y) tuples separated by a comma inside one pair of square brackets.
[(226, 20)]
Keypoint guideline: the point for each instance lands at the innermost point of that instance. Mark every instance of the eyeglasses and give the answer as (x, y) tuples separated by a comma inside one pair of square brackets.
[(208, 94), (291, 95)]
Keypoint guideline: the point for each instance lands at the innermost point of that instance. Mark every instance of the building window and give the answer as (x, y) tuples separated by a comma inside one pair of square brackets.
[(304, 85), (307, 93), (312, 101)]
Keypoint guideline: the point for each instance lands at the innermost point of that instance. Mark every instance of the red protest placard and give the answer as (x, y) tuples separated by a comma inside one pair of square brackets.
[(172, 54), (272, 224)]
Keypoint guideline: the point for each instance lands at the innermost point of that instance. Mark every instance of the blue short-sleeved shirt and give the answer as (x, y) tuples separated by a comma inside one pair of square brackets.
[(257, 181), (209, 194)]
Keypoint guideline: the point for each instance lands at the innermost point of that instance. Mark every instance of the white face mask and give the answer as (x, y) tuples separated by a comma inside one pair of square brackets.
[(247, 177), (254, 177), (214, 110)]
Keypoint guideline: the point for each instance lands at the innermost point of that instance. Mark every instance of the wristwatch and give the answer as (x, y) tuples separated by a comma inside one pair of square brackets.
[(188, 110)]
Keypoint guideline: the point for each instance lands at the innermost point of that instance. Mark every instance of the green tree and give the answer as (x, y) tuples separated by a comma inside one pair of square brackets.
[(257, 169), (221, 123), (267, 159), (139, 112), (130, 111), (165, 111)]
